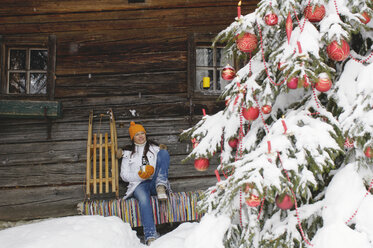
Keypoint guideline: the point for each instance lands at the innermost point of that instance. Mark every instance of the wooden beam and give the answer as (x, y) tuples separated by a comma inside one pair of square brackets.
[(30, 109)]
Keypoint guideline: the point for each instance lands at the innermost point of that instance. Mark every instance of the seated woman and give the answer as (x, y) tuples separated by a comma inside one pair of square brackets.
[(145, 167)]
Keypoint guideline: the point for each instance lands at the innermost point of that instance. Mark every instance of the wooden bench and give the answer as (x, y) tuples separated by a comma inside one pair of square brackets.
[(102, 177), (180, 207)]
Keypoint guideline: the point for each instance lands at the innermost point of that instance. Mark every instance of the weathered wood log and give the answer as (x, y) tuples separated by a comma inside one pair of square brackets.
[(9, 7), (46, 174), (60, 152), (172, 82), (39, 202), (44, 202), (14, 131)]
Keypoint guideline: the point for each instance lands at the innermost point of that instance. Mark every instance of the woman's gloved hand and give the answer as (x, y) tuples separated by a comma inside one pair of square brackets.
[(148, 172)]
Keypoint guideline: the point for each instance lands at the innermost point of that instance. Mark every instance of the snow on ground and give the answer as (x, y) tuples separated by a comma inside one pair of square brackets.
[(341, 201), (110, 232)]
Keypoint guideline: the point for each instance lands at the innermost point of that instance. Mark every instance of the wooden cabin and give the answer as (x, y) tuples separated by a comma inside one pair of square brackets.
[(61, 59)]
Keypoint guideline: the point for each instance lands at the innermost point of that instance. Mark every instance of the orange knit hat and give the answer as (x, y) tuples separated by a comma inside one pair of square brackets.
[(135, 128)]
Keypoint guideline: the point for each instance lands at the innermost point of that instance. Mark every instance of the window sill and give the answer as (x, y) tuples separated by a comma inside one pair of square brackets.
[(30, 109)]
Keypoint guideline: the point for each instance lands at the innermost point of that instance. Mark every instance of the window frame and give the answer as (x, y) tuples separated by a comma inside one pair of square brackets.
[(28, 70), (7, 43), (196, 40)]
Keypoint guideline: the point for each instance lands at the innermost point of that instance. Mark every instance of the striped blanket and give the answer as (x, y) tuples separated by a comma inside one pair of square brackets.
[(180, 207)]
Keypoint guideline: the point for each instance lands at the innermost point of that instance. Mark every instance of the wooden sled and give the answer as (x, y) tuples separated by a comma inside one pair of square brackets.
[(102, 164)]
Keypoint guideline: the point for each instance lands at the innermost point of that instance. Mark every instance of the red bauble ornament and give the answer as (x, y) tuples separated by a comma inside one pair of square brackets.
[(285, 202), (315, 14), (271, 19), (292, 83), (289, 26), (201, 164), (323, 83), (247, 42), (338, 52), (368, 152), (233, 143), (228, 73), (266, 109), (250, 113), (366, 18), (252, 201)]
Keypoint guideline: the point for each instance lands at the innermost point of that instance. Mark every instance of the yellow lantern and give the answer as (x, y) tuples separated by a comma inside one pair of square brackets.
[(206, 82)]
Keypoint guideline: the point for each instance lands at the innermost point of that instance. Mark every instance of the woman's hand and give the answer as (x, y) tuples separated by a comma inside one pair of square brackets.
[(149, 170)]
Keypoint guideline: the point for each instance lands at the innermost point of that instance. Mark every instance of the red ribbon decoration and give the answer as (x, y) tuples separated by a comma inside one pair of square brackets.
[(284, 125), (299, 47), (217, 175)]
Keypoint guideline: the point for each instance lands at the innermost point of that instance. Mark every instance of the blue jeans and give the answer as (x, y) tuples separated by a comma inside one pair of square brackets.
[(147, 188)]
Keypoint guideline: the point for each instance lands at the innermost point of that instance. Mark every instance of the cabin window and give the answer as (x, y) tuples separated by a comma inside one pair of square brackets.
[(205, 65), (28, 67), (27, 70), (209, 64)]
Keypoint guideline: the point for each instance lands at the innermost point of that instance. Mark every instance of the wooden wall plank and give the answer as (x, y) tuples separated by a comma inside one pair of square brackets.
[(10, 7), (13, 132), (39, 202), (115, 20), (135, 62), (44, 202), (126, 84), (45, 174)]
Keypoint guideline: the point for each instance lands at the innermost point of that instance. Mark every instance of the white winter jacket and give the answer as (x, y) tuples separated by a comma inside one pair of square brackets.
[(131, 166)]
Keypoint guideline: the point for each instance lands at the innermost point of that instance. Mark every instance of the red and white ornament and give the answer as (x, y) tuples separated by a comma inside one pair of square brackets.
[(201, 164), (271, 19), (233, 142), (292, 83), (246, 42), (252, 201), (338, 52), (284, 202), (323, 83), (368, 152), (251, 113), (349, 143), (366, 18), (266, 109), (315, 13), (228, 73)]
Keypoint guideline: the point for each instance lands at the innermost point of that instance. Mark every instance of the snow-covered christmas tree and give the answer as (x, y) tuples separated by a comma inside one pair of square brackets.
[(295, 139)]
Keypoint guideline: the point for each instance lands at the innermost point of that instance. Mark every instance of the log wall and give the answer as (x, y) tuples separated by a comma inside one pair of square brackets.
[(131, 58)]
